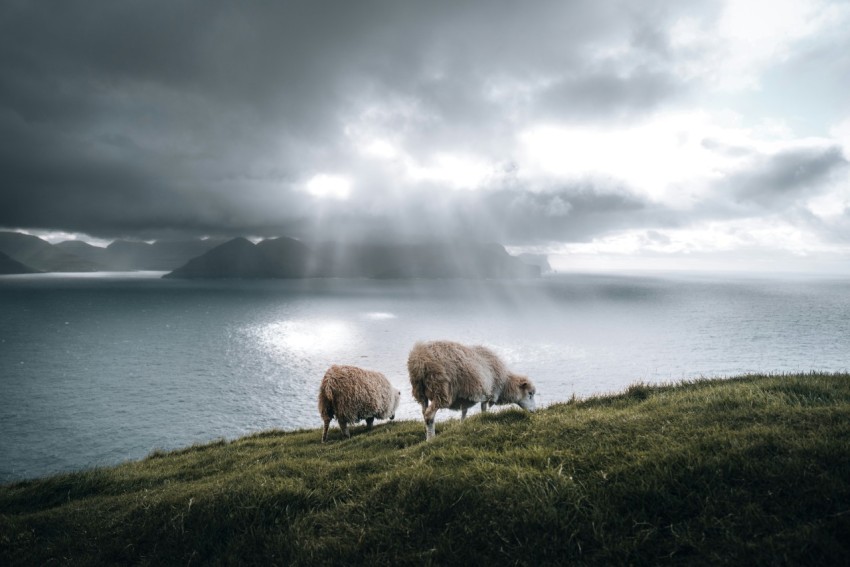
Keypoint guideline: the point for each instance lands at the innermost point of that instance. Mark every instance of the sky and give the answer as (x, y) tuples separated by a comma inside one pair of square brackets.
[(610, 135)]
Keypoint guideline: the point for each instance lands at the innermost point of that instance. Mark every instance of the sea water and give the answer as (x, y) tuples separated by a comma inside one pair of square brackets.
[(98, 369)]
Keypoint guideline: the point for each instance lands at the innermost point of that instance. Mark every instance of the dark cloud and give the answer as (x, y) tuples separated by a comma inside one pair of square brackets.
[(785, 177), (598, 96), (566, 214), (140, 119)]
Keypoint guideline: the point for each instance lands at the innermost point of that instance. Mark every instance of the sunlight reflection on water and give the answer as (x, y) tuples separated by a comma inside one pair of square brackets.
[(306, 337), (379, 316)]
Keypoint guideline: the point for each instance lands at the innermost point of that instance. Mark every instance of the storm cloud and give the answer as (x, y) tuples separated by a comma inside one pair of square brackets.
[(379, 118)]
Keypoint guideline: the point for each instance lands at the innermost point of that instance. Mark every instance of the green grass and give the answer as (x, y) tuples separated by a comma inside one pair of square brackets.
[(752, 470)]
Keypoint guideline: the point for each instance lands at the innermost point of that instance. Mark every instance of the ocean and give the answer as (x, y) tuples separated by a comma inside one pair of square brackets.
[(97, 369)]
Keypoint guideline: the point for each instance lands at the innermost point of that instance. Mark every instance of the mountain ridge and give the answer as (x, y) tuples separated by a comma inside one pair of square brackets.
[(9, 266), (285, 257), (120, 255), (281, 257)]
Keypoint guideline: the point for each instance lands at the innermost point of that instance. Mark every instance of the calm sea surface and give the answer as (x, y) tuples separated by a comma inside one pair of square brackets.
[(96, 370)]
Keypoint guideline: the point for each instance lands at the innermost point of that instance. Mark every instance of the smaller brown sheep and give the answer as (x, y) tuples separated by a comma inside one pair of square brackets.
[(446, 374), (350, 394)]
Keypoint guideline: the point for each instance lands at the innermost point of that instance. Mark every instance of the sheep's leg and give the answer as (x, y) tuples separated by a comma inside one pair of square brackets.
[(484, 406), (463, 413), (369, 422), (344, 426), (429, 414), (325, 430)]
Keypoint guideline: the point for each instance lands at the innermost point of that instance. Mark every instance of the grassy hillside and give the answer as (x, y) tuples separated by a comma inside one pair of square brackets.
[(753, 470)]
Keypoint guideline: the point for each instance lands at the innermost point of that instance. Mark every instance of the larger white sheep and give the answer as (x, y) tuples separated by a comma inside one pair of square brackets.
[(350, 394), (446, 374)]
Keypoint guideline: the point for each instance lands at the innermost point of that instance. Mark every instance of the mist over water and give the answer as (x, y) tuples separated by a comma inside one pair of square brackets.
[(98, 370)]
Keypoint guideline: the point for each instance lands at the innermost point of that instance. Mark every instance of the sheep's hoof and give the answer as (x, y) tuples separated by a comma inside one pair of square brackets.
[(429, 432)]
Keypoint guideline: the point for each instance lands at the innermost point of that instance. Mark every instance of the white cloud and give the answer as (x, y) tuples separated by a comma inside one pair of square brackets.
[(831, 205), (381, 149), (54, 237), (711, 237), (325, 186), (663, 158), (750, 245), (841, 133), (750, 36), (678, 159), (457, 171), (834, 203)]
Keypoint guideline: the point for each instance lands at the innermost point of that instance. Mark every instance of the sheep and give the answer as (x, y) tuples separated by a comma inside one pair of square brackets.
[(446, 374), (350, 394)]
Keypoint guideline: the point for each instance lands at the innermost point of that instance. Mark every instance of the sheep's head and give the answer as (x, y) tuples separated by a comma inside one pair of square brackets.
[(524, 391), (396, 398)]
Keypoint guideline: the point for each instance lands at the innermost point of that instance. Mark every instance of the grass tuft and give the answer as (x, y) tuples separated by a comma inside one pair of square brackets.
[(754, 469)]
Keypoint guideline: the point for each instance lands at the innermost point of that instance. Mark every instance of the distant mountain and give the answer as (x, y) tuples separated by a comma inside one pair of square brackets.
[(84, 251), (289, 258), (271, 258), (11, 266), (43, 256), (540, 260), (121, 255), (125, 255), (160, 255), (237, 256), (423, 260), (240, 258)]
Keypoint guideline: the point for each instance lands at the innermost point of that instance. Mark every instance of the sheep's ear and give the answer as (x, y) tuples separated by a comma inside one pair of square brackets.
[(524, 384)]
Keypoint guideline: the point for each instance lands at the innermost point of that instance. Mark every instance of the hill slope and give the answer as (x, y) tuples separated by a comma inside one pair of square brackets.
[(753, 470), (120, 255), (240, 258), (41, 255), (159, 255), (11, 266)]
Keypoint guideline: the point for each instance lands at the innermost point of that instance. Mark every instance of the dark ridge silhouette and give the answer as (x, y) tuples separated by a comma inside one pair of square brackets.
[(133, 255), (539, 260), (43, 256), (11, 266), (84, 251), (160, 255), (289, 258), (422, 260), (239, 258), (126, 255), (274, 258), (121, 255)]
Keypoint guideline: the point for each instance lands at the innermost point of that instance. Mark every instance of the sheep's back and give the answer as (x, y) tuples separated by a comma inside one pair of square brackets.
[(446, 371), (356, 393)]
